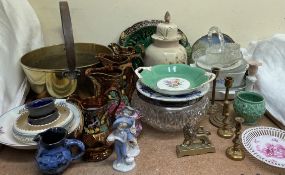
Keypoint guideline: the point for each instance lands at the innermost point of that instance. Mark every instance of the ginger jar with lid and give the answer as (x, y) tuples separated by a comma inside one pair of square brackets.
[(165, 48)]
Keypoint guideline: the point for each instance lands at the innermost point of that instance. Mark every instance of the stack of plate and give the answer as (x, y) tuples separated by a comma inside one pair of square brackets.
[(18, 133), (169, 96)]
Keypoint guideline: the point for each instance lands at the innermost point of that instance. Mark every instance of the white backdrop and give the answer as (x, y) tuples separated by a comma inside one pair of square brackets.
[(102, 21)]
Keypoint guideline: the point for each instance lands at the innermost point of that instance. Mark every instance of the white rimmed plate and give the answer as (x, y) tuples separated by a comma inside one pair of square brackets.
[(267, 144), (148, 92), (7, 120)]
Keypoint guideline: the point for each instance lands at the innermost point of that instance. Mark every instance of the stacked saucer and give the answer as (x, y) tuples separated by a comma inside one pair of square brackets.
[(18, 132), (24, 131), (169, 96)]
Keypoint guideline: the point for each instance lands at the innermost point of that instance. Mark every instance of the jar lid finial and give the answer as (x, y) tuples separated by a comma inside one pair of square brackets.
[(167, 17)]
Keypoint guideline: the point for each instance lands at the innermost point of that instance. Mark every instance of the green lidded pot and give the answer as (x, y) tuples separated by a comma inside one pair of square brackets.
[(250, 106)]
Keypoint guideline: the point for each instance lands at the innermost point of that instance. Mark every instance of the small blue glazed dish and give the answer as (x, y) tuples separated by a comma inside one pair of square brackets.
[(41, 107)]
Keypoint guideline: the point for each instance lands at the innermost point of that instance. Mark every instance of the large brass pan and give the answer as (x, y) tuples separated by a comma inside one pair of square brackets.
[(59, 69), (44, 67)]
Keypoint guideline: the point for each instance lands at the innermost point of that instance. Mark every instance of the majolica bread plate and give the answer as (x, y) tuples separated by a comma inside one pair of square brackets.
[(174, 79), (267, 144), (147, 92), (8, 119)]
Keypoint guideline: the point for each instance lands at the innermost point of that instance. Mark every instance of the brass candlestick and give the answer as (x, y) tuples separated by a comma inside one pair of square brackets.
[(235, 152), (215, 110), (216, 71), (226, 130), (214, 106)]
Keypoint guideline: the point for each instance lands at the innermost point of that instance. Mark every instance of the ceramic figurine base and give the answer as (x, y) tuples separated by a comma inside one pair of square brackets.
[(123, 167), (194, 149), (129, 163), (237, 155)]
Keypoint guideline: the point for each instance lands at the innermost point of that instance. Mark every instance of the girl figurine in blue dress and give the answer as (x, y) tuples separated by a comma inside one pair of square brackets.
[(125, 143)]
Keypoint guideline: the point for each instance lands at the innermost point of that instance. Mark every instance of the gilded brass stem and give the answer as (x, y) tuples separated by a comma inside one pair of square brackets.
[(235, 152), (226, 130), (216, 71)]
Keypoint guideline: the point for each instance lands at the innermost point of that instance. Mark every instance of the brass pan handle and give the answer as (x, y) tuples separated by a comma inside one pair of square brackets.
[(68, 40)]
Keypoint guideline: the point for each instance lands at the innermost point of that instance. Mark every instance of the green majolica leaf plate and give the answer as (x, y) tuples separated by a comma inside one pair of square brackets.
[(139, 36), (174, 79)]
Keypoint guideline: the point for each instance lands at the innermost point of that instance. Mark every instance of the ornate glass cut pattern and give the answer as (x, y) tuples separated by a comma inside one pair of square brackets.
[(170, 117)]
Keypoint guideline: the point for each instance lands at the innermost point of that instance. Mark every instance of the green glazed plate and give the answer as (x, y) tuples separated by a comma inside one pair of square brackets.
[(174, 79)]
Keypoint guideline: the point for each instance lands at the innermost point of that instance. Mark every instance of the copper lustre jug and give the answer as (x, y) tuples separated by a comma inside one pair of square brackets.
[(118, 70), (98, 117)]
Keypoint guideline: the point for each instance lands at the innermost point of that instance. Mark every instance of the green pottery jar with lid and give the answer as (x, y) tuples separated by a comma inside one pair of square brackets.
[(250, 106)]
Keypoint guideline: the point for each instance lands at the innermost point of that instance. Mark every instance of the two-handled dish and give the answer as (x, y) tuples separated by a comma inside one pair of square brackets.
[(174, 79)]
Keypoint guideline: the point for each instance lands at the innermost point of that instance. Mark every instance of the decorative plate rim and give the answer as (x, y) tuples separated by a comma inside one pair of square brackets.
[(161, 97), (259, 131)]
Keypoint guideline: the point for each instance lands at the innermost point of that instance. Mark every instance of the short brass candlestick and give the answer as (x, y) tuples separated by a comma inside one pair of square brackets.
[(226, 130), (215, 107), (235, 152)]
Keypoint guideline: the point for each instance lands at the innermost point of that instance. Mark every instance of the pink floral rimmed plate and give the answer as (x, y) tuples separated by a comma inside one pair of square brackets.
[(267, 144)]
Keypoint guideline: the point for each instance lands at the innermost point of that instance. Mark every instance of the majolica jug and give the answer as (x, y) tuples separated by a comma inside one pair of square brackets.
[(54, 154)]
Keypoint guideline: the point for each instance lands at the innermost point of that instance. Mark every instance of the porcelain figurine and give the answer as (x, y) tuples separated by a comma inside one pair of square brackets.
[(126, 146), (54, 154), (165, 48)]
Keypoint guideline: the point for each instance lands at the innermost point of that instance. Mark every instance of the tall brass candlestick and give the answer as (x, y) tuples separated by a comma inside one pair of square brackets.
[(226, 130), (215, 108), (235, 152), (216, 71)]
